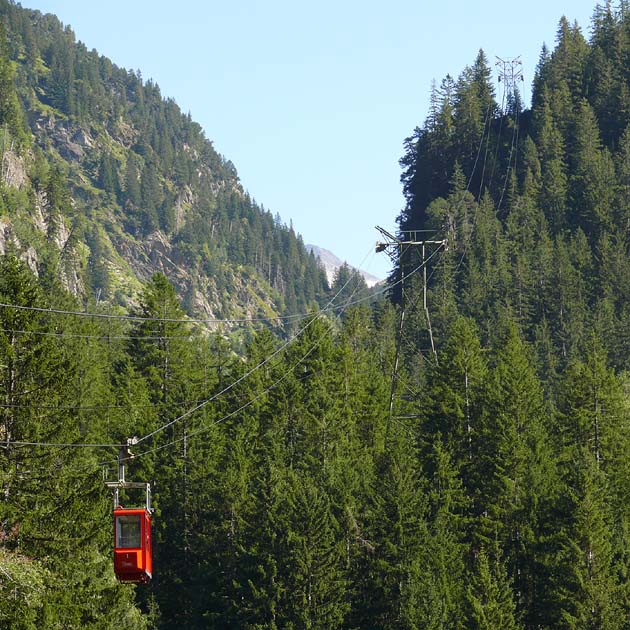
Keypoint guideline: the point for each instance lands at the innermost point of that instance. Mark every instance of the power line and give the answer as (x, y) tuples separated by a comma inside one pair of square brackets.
[(95, 407), (173, 320), (102, 337), (139, 318), (58, 444), (99, 337), (509, 77), (515, 132), (136, 318)]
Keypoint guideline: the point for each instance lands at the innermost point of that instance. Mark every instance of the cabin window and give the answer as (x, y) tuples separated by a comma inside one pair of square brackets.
[(128, 530)]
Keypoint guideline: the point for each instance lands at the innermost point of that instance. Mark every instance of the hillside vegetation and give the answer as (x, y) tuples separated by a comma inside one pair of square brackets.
[(110, 182), (348, 477)]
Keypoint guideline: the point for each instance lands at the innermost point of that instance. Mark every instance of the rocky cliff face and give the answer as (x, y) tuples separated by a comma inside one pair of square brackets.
[(129, 260)]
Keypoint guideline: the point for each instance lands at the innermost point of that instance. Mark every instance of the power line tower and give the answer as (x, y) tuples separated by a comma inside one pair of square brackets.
[(395, 248), (510, 71)]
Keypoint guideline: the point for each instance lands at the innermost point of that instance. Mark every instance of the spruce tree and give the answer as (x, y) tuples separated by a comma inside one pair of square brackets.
[(489, 594)]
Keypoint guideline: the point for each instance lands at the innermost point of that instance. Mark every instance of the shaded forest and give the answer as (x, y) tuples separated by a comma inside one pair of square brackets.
[(297, 484)]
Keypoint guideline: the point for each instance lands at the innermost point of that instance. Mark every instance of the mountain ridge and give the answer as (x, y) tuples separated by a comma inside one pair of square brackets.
[(331, 263), (127, 185)]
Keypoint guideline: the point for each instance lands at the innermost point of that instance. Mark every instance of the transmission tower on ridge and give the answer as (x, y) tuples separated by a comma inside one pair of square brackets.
[(510, 71)]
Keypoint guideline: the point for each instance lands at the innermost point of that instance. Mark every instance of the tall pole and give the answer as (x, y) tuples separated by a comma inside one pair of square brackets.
[(393, 245), (401, 324)]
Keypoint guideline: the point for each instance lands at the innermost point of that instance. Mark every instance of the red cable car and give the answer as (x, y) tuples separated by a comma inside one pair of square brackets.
[(132, 545), (133, 558)]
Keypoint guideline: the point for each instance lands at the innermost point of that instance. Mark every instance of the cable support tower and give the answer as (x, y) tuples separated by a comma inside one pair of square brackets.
[(510, 71), (395, 249)]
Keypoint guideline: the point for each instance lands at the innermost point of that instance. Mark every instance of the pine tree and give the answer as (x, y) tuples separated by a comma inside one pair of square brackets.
[(132, 184), (11, 116), (443, 560), (592, 183), (516, 500), (452, 404), (398, 532), (551, 148), (590, 592), (108, 176), (489, 594), (315, 581)]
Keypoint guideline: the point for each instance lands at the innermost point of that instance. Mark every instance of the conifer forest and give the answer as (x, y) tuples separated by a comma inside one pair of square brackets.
[(320, 457)]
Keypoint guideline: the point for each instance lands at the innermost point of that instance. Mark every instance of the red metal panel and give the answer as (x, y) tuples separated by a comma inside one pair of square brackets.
[(132, 545)]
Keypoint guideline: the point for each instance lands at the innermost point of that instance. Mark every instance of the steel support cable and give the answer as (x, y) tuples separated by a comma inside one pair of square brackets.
[(242, 407), (483, 133), (466, 245), (402, 336), (366, 298), (61, 408), (470, 180), (6, 445), (133, 318), (461, 260), (247, 374), (173, 421), (139, 318), (485, 155), (496, 152), (70, 335), (398, 419), (507, 172), (257, 396)]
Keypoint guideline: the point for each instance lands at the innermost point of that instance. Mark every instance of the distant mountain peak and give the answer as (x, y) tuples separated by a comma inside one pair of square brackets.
[(331, 263)]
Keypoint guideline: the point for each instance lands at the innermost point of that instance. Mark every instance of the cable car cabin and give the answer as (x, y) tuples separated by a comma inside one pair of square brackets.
[(133, 561), (132, 545)]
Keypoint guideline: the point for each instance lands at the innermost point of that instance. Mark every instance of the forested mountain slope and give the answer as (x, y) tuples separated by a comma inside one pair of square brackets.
[(534, 203), (108, 182), (348, 477), (528, 408)]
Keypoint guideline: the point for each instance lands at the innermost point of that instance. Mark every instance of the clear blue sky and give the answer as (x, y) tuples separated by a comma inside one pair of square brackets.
[(312, 100)]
